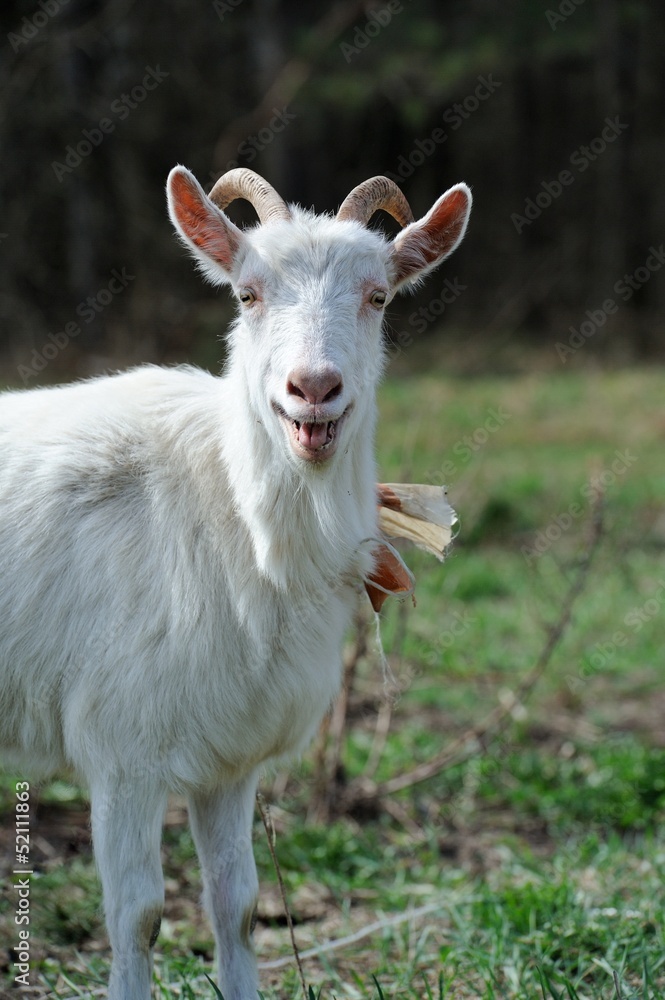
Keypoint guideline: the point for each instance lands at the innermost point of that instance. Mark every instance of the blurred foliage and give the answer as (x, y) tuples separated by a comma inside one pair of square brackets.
[(502, 96)]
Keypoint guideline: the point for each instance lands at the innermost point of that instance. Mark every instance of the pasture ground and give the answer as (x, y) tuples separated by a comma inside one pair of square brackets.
[(541, 857)]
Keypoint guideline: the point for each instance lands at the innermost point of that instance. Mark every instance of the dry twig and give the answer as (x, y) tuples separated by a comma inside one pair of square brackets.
[(364, 793), (328, 754), (617, 985), (264, 810), (290, 78)]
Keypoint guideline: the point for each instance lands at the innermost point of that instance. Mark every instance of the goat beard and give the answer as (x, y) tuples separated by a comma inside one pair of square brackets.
[(332, 505), (306, 516)]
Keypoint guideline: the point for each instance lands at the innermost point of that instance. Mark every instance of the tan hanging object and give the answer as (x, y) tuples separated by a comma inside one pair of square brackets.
[(422, 515)]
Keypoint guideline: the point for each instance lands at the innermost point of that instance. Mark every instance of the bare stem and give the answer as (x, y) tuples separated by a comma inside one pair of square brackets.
[(264, 810), (474, 739)]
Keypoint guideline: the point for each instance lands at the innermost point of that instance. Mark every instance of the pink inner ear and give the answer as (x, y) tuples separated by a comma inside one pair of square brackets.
[(201, 223), (434, 238)]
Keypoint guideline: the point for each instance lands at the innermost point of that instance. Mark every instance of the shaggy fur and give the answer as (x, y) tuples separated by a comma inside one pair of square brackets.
[(177, 579)]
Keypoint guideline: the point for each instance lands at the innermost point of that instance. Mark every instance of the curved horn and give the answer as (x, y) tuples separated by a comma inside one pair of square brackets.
[(244, 183), (368, 197)]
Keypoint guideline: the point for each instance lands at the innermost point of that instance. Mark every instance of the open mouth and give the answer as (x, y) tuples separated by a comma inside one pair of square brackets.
[(312, 440)]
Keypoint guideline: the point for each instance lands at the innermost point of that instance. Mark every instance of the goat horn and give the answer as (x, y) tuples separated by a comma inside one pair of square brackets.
[(244, 183), (373, 194)]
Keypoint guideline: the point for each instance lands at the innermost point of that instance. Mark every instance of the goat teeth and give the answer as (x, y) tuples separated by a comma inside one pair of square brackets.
[(311, 439)]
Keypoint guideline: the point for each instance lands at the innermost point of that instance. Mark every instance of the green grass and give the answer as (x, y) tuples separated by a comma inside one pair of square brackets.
[(543, 855)]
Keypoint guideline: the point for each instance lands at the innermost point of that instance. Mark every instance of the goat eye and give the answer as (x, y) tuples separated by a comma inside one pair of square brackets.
[(247, 296), (378, 299)]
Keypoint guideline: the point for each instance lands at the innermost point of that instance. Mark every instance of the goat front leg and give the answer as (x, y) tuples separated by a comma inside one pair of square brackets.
[(221, 822), (127, 817)]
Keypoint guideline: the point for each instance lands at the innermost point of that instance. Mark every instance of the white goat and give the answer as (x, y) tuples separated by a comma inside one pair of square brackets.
[(180, 554)]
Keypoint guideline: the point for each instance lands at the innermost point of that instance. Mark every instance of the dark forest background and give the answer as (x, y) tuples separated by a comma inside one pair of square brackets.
[(553, 113)]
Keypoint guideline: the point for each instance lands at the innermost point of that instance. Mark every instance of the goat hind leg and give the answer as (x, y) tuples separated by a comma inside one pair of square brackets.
[(221, 822), (127, 821)]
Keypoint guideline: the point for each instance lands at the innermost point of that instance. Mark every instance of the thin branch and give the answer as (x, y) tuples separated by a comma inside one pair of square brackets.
[(290, 78), (331, 733), (264, 810), (379, 925), (617, 985), (381, 731), (362, 790)]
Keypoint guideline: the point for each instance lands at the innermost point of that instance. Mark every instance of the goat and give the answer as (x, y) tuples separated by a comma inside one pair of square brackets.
[(181, 553)]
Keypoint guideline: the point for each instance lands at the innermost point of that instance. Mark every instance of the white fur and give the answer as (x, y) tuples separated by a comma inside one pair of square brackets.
[(177, 582)]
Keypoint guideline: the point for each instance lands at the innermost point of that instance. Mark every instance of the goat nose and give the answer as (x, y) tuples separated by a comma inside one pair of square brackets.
[(315, 387)]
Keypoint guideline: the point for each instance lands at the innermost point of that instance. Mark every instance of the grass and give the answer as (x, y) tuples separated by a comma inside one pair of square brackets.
[(542, 857)]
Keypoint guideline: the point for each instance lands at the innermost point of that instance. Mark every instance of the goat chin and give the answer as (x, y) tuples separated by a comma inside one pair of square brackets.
[(177, 577)]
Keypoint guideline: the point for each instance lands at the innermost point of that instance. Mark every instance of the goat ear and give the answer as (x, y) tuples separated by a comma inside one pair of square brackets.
[(423, 245), (213, 239)]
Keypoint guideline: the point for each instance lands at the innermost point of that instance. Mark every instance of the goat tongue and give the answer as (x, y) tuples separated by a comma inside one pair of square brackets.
[(313, 435)]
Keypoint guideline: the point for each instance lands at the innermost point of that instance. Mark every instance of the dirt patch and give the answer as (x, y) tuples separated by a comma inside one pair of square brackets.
[(58, 833)]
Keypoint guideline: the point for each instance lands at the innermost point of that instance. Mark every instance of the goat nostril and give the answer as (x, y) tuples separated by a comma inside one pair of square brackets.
[(294, 390), (333, 393), (315, 388)]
